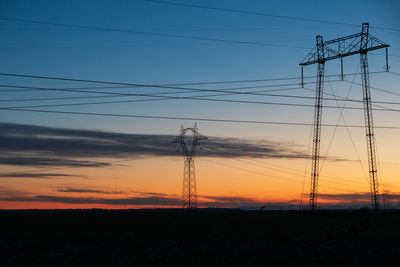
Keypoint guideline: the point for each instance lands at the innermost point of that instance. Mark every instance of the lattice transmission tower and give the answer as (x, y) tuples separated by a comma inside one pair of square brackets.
[(188, 140), (359, 43)]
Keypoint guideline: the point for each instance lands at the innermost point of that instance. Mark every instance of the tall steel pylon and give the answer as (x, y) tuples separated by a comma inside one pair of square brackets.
[(188, 140), (359, 43), (317, 123)]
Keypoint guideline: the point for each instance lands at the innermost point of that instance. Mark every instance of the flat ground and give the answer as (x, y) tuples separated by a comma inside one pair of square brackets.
[(199, 238)]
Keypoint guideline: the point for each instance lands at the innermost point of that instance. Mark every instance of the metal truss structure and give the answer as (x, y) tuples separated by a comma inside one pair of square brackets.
[(188, 140), (359, 43)]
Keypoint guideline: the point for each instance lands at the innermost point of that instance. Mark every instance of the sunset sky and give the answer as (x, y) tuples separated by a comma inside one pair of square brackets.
[(60, 160)]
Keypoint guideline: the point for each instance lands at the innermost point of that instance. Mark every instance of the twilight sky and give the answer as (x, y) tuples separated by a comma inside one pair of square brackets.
[(61, 160)]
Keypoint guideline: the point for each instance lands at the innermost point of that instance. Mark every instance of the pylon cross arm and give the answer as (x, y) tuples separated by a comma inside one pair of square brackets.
[(344, 47)]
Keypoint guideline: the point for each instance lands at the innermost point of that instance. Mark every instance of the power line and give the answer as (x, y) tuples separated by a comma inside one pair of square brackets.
[(377, 89), (395, 73), (136, 45), (269, 79), (171, 97), (140, 85), (264, 14), (55, 98), (64, 88), (301, 173), (189, 118), (175, 29), (155, 86), (347, 129), (125, 46), (152, 33), (224, 91), (109, 46), (170, 87), (199, 98), (379, 54), (295, 173), (172, 84), (379, 106), (251, 13), (32, 88), (267, 175)]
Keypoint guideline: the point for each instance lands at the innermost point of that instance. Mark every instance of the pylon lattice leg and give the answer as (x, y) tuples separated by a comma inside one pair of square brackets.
[(369, 128), (189, 193), (316, 137)]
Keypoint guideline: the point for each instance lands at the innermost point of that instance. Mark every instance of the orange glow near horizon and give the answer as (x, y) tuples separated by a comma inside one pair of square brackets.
[(257, 181)]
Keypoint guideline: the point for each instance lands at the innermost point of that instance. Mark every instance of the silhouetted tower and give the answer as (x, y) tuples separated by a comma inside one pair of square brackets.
[(188, 140), (359, 43)]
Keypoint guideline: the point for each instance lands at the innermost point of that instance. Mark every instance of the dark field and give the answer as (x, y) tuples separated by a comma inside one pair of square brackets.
[(199, 238)]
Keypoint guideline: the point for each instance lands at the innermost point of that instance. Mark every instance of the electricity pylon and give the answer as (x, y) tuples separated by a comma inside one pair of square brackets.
[(359, 43), (189, 148)]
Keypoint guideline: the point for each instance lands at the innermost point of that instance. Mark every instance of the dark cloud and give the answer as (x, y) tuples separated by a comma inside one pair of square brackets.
[(161, 201), (49, 146), (208, 201), (40, 161), (36, 175), (81, 190), (229, 198), (153, 194), (139, 198), (230, 202), (7, 193), (351, 197), (359, 197), (235, 147), (140, 201)]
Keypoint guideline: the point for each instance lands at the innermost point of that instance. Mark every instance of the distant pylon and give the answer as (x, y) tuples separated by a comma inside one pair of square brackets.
[(188, 140)]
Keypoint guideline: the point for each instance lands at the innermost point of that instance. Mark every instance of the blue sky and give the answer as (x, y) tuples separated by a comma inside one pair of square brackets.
[(126, 57)]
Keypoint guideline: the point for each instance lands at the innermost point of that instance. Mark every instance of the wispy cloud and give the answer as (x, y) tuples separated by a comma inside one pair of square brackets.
[(142, 200), (230, 202), (348, 197), (359, 197), (37, 160), (139, 201), (37, 175), (84, 190)]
